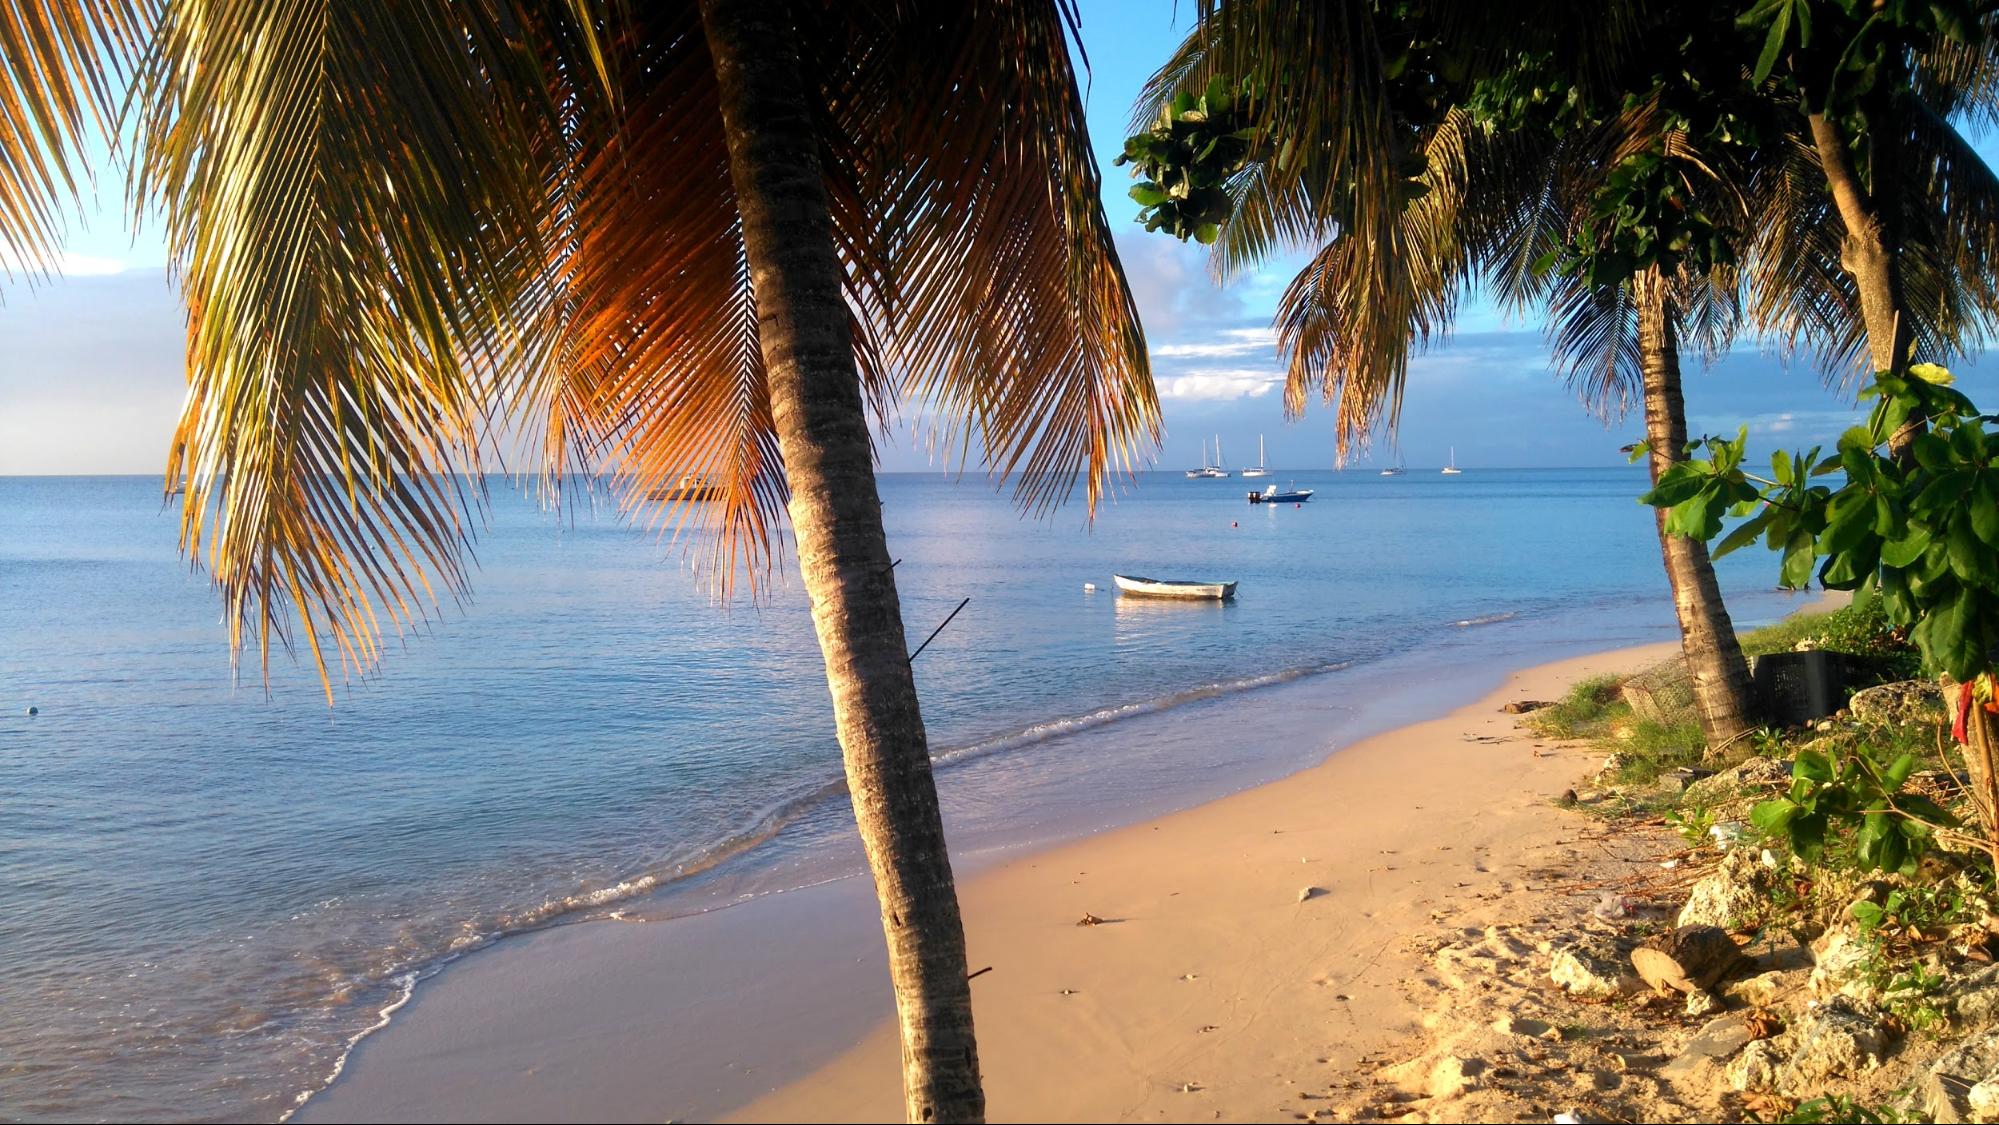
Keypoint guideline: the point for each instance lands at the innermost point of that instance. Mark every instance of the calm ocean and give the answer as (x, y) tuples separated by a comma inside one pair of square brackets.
[(207, 893)]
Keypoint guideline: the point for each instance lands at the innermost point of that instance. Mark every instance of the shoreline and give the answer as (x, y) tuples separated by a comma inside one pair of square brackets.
[(649, 1020), (1257, 944)]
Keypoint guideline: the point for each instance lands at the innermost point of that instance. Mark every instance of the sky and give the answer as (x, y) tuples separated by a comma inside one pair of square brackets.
[(91, 372)]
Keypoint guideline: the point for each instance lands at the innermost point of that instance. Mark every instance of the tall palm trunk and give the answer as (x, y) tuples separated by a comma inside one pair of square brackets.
[(1707, 638), (1870, 252), (1981, 767), (822, 428)]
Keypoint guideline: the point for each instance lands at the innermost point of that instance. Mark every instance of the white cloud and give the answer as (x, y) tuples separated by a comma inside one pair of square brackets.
[(1232, 342), (1203, 385), (68, 265), (85, 265)]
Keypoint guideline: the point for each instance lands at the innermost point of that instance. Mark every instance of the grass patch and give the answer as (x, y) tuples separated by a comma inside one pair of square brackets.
[(1590, 710), (1595, 711), (1650, 749), (1862, 631), (1783, 636)]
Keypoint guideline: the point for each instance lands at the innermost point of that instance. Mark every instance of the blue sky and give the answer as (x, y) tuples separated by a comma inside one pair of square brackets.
[(91, 371)]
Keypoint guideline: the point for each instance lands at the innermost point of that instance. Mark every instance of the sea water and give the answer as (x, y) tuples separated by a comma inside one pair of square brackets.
[(209, 890)]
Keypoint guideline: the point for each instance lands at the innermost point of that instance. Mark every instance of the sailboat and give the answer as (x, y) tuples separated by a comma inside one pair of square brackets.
[(1452, 469), (1209, 470), (1396, 469), (1261, 470)]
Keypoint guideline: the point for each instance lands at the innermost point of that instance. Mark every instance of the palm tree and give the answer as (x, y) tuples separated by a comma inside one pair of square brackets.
[(1398, 251), (713, 237), (1876, 90), (1412, 203)]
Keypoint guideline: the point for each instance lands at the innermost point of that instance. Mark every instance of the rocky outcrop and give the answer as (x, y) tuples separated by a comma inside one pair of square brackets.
[(1905, 701), (1756, 1067), (1592, 967), (1732, 791), (1731, 896), (1974, 998), (1840, 1037), (1960, 1086), (1838, 957)]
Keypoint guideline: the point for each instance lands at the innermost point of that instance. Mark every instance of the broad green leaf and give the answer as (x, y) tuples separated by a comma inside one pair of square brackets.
[(1970, 559), (1808, 835), (1906, 550), (1796, 572), (1744, 534), (1812, 765), (1899, 771), (1774, 816), (1985, 515)]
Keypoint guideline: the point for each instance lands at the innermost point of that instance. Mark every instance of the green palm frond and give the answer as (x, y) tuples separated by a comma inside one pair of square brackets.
[(62, 63), (1593, 344)]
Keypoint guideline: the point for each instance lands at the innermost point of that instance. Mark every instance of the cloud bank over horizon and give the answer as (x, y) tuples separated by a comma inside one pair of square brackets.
[(91, 380)]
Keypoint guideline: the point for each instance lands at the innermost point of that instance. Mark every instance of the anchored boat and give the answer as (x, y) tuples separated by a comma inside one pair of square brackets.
[(690, 488), (1276, 495), (1260, 469), (1209, 470), (1169, 588)]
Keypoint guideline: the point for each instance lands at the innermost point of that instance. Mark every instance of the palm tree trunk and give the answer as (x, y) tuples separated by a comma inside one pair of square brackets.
[(1981, 767), (1869, 253), (822, 428), (1981, 761), (1707, 638)]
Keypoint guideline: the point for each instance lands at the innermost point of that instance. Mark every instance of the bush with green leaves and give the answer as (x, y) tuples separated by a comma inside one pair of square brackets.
[(1186, 159), (1923, 535), (1851, 789), (1919, 534)]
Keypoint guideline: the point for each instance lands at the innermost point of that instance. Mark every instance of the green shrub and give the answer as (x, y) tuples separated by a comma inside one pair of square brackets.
[(1589, 710)]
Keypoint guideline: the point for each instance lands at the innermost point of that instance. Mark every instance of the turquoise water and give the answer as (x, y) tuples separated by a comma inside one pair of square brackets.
[(206, 893)]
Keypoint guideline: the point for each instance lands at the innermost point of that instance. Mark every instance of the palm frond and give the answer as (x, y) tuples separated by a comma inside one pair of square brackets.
[(1349, 322), (1593, 344), (1950, 224), (1795, 291), (352, 214), (1709, 310), (61, 65), (649, 366), (978, 248)]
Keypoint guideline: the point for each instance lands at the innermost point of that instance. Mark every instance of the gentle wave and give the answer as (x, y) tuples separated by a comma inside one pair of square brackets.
[(1056, 728), (1488, 619), (768, 825)]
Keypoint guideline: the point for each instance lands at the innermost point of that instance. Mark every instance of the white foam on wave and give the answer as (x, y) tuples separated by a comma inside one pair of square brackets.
[(1488, 619), (405, 984)]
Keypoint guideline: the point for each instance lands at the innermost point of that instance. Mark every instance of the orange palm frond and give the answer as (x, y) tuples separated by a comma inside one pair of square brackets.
[(983, 260), (351, 217)]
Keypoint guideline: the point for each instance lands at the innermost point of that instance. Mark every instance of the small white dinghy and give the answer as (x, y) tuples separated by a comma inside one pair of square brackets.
[(1166, 588)]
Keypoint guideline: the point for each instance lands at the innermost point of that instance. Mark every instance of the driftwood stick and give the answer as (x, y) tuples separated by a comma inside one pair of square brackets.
[(937, 630)]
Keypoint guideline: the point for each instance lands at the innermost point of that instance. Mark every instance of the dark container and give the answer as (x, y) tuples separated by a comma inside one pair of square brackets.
[(1798, 687)]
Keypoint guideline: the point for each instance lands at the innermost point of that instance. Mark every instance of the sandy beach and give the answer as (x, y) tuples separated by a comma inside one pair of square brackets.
[(1250, 949)]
